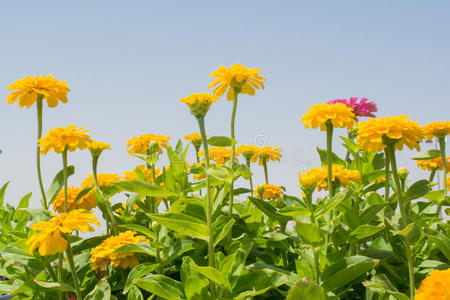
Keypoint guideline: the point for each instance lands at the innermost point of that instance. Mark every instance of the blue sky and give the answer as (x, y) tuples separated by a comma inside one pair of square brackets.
[(128, 62)]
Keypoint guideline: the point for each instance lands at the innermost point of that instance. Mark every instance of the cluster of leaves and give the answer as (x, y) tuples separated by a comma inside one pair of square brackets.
[(266, 250)]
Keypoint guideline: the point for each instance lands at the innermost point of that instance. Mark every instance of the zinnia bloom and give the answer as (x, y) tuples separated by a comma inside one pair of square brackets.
[(49, 239), (195, 139), (308, 180), (435, 287), (28, 89), (148, 173), (104, 180), (266, 154), (361, 109), (269, 191), (437, 129), (86, 202), (238, 78), (97, 148), (59, 138), (247, 151), (433, 164), (102, 255), (340, 115), (140, 145), (219, 154), (200, 103), (373, 132), (340, 176)]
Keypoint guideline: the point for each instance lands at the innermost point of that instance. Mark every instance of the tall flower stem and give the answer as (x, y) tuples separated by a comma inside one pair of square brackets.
[(386, 175), (38, 150), (432, 174), (233, 153), (329, 157), (444, 171), (402, 206), (211, 259), (266, 173), (64, 159), (315, 250), (76, 284), (251, 180)]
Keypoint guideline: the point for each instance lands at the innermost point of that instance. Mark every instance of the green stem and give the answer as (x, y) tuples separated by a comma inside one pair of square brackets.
[(211, 259), (38, 150), (74, 273), (251, 180), (386, 175), (60, 271), (444, 172), (329, 157), (64, 158), (432, 174), (266, 175), (404, 220), (315, 250), (233, 154)]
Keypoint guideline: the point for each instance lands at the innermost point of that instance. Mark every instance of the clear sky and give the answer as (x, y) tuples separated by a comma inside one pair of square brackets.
[(128, 62)]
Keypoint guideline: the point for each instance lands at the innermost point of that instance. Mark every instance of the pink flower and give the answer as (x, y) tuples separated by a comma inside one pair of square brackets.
[(362, 109)]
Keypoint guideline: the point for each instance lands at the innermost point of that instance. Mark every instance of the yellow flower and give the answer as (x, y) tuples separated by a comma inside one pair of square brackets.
[(448, 183), (308, 180), (59, 138), (238, 79), (247, 150), (437, 129), (339, 114), (104, 180), (340, 176), (268, 191), (219, 154), (200, 103), (86, 202), (195, 138), (28, 89), (433, 164), (435, 287), (49, 239), (267, 153), (102, 255), (97, 148), (132, 175), (373, 132), (140, 145)]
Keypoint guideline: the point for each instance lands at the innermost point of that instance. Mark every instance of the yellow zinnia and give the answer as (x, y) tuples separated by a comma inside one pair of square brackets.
[(195, 138), (308, 180), (49, 239), (248, 151), (97, 148), (28, 89), (238, 79), (435, 287), (219, 154), (104, 180), (437, 129), (140, 145), (102, 255), (148, 173), (266, 154), (86, 202), (339, 114), (268, 191), (340, 176), (433, 164), (59, 138), (200, 103), (374, 132)]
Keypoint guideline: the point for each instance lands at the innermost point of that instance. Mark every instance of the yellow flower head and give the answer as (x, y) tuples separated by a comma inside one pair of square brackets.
[(435, 287), (437, 129), (433, 164), (195, 138), (340, 176), (59, 138), (448, 183), (132, 175), (97, 148), (220, 155), (28, 89), (49, 239), (247, 150), (140, 145), (200, 103), (266, 154), (102, 255), (238, 78), (373, 132), (86, 202), (104, 180), (339, 114), (268, 191), (308, 180)]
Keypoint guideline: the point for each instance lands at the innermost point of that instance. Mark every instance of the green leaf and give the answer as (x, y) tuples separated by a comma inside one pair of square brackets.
[(177, 166), (310, 232), (212, 274), (365, 230), (430, 154), (183, 224), (102, 291), (220, 172), (17, 255), (351, 145), (135, 293), (333, 203), (139, 228), (88, 243), (324, 157), (441, 241), (138, 272), (162, 286), (221, 141), (405, 231), (223, 231), (269, 210), (306, 290), (143, 188), (23, 203), (136, 248), (2, 193), (196, 288), (55, 286), (257, 282), (418, 189), (294, 211), (57, 184)]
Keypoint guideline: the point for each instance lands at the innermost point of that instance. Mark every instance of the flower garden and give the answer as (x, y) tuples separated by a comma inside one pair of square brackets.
[(357, 228)]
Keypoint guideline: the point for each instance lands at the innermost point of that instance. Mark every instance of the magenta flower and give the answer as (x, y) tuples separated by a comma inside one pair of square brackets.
[(362, 109)]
